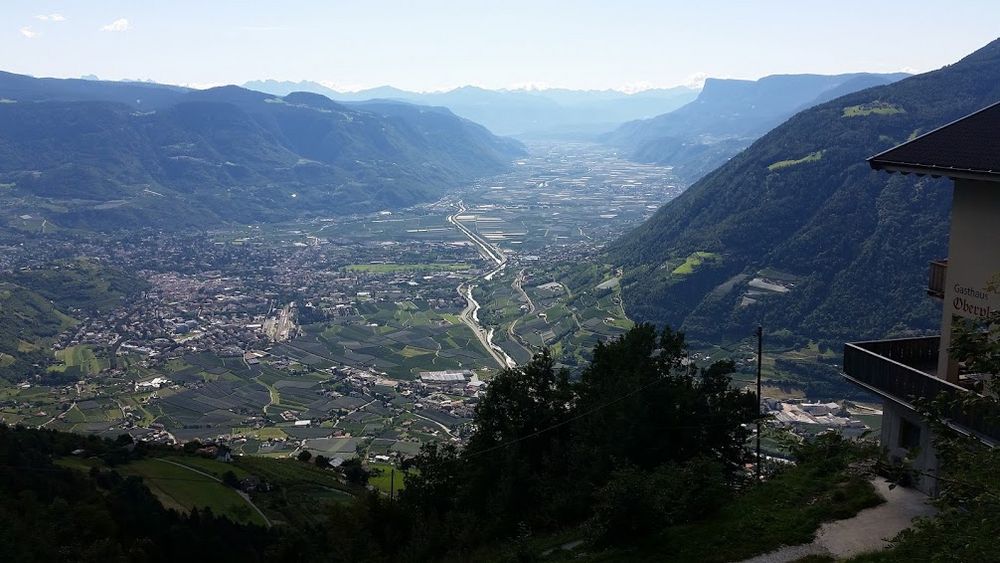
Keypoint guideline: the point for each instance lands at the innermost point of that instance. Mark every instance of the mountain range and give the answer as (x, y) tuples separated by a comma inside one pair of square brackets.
[(116, 154), (796, 232), (549, 114), (727, 116)]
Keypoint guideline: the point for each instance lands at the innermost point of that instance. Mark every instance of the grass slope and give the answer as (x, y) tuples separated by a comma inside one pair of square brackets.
[(182, 489)]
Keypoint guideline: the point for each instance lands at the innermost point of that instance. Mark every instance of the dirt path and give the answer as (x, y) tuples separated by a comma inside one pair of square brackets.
[(869, 530), (243, 495)]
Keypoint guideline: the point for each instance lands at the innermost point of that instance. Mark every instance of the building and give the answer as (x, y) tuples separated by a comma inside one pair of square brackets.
[(446, 376), (902, 370)]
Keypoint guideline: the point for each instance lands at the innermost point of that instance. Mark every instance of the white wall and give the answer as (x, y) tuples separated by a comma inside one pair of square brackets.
[(925, 461), (973, 259)]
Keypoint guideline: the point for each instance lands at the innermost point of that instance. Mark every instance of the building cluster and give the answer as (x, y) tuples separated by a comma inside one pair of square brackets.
[(806, 418)]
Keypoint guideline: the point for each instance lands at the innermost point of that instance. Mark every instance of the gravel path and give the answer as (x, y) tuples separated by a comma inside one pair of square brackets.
[(868, 530)]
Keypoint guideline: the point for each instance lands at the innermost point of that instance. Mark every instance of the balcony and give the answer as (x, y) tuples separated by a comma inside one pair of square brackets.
[(903, 371), (936, 279)]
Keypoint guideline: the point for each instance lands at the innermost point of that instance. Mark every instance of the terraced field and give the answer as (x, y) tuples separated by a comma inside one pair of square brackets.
[(569, 316)]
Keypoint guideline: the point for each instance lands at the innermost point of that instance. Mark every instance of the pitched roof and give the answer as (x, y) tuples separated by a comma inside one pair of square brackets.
[(966, 148)]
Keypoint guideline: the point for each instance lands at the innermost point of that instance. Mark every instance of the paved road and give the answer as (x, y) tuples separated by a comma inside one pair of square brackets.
[(443, 427), (470, 315), (488, 250), (517, 285)]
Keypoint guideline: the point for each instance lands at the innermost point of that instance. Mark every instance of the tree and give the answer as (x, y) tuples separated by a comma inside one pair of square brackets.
[(430, 488), (230, 480), (642, 403), (304, 456), (322, 461), (976, 344), (354, 472), (518, 453)]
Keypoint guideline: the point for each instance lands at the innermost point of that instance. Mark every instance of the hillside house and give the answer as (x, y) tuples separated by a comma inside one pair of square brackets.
[(905, 370)]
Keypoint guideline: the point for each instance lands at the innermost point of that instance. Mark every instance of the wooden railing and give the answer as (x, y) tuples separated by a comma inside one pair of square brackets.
[(893, 369), (936, 279)]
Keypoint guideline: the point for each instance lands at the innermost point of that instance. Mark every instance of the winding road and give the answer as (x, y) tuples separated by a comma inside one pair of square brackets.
[(470, 315), (517, 285)]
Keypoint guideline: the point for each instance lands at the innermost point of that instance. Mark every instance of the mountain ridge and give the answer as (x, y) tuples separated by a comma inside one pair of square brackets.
[(727, 116), (542, 113), (226, 153), (800, 208)]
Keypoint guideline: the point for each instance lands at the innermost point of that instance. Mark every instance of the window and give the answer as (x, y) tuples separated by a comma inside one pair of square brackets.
[(909, 434)]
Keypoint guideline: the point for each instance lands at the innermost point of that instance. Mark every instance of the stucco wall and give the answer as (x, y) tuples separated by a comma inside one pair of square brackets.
[(973, 259), (924, 457)]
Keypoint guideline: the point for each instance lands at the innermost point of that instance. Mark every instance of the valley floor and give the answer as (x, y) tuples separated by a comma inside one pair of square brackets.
[(327, 335)]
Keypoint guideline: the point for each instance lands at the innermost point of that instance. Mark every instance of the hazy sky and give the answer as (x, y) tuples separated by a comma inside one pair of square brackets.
[(431, 44)]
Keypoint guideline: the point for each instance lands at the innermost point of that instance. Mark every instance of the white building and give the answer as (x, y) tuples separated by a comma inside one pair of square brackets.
[(903, 370)]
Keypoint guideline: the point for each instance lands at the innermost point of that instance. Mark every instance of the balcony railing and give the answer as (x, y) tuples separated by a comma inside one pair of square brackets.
[(936, 279), (902, 369)]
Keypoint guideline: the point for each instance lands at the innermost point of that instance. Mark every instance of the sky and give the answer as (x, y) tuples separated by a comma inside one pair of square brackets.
[(440, 44)]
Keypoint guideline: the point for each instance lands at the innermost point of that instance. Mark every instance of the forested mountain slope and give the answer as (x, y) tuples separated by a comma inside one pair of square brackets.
[(728, 115), (798, 233), (78, 155)]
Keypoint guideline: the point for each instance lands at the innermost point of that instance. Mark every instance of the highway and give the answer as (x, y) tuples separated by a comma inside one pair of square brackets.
[(470, 315)]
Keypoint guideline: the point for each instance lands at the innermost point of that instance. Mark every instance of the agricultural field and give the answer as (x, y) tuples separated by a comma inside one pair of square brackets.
[(81, 358), (386, 478), (287, 491), (693, 261), (299, 492), (178, 486), (568, 308), (873, 108), (400, 339), (811, 157)]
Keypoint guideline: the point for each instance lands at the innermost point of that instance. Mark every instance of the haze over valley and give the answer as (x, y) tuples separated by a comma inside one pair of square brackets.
[(611, 285)]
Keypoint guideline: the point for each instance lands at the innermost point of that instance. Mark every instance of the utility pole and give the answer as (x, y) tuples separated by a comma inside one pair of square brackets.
[(760, 400), (392, 480)]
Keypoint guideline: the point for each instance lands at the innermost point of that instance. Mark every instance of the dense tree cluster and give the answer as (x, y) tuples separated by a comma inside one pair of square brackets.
[(53, 513), (644, 439)]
